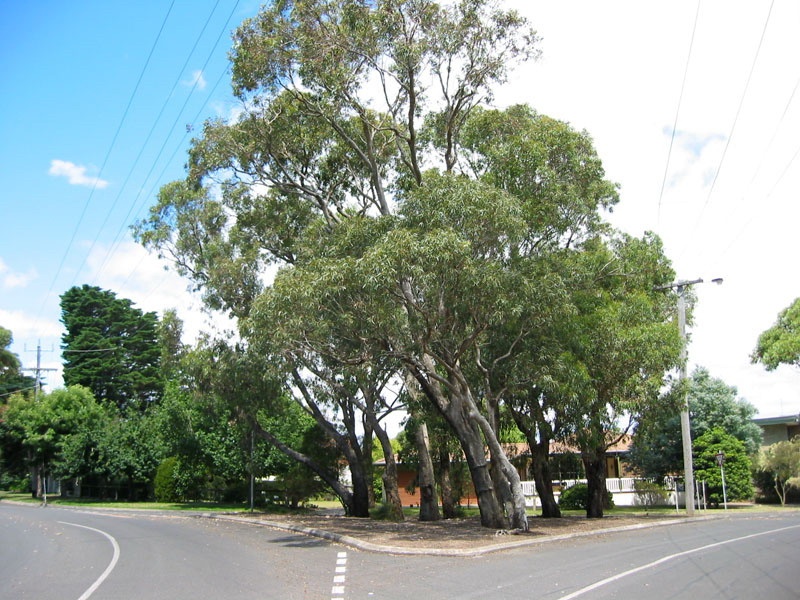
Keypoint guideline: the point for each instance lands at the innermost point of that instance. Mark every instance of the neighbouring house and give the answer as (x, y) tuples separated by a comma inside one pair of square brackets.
[(778, 429), (566, 466)]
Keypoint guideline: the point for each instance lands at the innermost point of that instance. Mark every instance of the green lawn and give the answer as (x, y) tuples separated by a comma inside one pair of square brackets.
[(411, 513)]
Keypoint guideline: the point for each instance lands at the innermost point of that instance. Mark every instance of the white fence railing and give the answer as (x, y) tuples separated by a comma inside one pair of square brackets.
[(623, 489)]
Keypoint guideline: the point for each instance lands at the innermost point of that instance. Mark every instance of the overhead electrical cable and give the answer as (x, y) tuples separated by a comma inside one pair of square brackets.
[(761, 213), (677, 112), (108, 154), (741, 103), (144, 145), (733, 125), (133, 207), (160, 177)]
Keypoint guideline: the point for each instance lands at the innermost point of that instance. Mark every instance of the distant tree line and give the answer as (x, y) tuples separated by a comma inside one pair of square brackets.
[(138, 404)]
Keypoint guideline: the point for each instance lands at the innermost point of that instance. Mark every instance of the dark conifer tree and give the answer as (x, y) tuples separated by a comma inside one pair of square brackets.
[(111, 347)]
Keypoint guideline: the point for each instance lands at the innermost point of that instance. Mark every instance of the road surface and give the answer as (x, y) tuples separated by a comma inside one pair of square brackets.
[(68, 554)]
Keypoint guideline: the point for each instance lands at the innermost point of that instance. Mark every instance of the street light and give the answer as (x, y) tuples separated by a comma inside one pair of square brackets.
[(686, 431)]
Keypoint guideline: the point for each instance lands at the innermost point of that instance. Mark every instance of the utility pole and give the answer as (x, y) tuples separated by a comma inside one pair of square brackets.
[(39, 473), (686, 430), (37, 370)]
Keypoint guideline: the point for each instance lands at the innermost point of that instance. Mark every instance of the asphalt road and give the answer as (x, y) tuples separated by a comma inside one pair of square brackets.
[(748, 558), (48, 553), (69, 554)]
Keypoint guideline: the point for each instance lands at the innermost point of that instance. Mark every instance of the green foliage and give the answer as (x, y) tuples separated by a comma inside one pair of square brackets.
[(11, 378), (738, 479), (649, 493), (59, 430), (780, 466), (780, 344), (165, 488), (494, 274), (657, 445), (110, 347), (576, 497), (130, 450), (297, 429)]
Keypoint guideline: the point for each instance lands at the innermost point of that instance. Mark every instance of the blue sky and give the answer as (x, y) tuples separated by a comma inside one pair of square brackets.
[(96, 98)]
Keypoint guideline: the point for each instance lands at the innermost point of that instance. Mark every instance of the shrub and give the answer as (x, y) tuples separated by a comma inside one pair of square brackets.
[(577, 498), (165, 489), (649, 493)]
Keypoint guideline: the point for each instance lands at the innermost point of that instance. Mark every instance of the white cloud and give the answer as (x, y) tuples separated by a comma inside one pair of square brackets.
[(11, 279), (617, 70), (24, 326), (197, 80), (75, 174), (132, 272)]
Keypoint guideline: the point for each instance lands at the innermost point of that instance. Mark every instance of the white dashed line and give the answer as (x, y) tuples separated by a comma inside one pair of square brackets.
[(93, 588), (337, 591)]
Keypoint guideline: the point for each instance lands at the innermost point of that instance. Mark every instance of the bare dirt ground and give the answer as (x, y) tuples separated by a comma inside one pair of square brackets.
[(453, 534)]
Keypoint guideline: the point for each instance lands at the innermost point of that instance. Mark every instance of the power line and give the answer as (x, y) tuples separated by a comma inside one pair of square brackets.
[(677, 112), (147, 139), (108, 154), (133, 209), (735, 122)]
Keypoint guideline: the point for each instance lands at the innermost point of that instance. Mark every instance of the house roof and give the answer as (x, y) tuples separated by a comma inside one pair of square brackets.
[(787, 420), (620, 446), (514, 450)]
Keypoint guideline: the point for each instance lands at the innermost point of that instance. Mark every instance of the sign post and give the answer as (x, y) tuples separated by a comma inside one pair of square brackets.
[(721, 463)]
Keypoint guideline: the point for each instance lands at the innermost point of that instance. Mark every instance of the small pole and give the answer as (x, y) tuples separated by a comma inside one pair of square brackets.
[(675, 485), (705, 500), (721, 463), (252, 475)]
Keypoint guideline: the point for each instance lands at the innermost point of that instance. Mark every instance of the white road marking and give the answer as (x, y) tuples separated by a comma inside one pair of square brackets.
[(93, 588), (664, 559), (337, 591)]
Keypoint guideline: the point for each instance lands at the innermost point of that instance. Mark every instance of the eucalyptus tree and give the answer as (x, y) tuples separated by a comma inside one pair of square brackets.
[(780, 344), (624, 341), (335, 96), (558, 181)]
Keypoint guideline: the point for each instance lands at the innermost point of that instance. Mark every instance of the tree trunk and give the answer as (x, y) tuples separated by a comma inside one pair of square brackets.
[(366, 451), (472, 444), (457, 409), (511, 481), (355, 503), (428, 502), (543, 478), (394, 506), (446, 485), (595, 463), (502, 485), (360, 496)]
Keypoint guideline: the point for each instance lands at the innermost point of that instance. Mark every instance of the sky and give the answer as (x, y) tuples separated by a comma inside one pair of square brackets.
[(693, 108)]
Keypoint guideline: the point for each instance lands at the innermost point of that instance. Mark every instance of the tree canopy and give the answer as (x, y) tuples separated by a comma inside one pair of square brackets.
[(737, 466), (11, 377), (780, 344), (110, 347), (369, 222), (656, 450), (61, 425)]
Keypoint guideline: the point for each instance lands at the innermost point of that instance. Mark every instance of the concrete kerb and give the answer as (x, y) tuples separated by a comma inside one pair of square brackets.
[(453, 552), (366, 546)]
